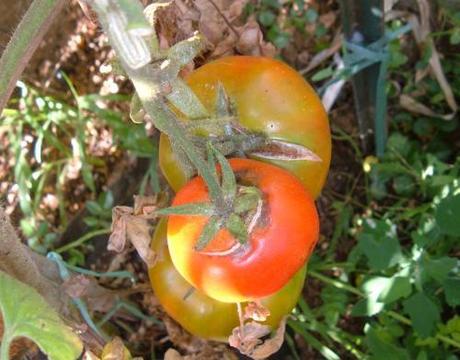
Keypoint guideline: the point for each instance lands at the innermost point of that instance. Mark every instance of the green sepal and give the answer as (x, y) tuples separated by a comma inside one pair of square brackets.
[(211, 159), (194, 209), (247, 201), (185, 51), (210, 230), (228, 177), (184, 99), (237, 228), (222, 102)]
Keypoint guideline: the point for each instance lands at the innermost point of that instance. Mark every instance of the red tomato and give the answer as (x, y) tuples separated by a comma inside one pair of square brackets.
[(272, 98), (279, 244), (201, 315)]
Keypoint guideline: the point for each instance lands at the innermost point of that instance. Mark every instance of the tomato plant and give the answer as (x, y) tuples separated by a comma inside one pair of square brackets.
[(271, 98), (284, 232), (192, 308)]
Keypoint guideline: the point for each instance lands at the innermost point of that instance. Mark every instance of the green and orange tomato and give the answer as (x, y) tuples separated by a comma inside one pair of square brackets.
[(201, 315), (269, 97)]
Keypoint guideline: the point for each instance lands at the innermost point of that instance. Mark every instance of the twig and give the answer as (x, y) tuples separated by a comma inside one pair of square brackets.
[(225, 18)]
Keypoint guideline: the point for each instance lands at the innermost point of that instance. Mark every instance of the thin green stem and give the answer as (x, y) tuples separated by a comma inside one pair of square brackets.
[(337, 283), (24, 42), (82, 240), (5, 347)]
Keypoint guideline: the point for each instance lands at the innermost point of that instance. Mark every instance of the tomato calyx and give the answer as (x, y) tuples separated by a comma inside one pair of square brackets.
[(239, 211)]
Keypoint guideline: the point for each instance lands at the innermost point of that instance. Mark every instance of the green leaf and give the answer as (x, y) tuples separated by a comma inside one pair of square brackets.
[(210, 230), (267, 17), (438, 269), (447, 215), (379, 243), (323, 349), (383, 349), (455, 37), (380, 291), (311, 15), (193, 209), (367, 307), (323, 74), (87, 174), (395, 288), (403, 185), (26, 314), (106, 199), (334, 304), (94, 207), (452, 291), (423, 312)]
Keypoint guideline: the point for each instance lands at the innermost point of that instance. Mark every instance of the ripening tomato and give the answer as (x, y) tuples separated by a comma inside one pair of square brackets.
[(286, 228), (272, 98), (201, 315)]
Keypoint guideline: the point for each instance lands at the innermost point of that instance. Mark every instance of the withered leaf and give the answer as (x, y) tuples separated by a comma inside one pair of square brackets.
[(172, 354), (132, 224), (248, 339), (115, 350), (256, 311), (251, 41)]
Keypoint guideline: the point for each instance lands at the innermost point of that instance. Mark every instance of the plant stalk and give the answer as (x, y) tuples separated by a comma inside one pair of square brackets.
[(24, 42), (147, 80)]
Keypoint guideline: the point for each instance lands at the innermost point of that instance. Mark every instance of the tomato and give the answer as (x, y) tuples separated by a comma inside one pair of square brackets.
[(199, 314), (270, 97), (279, 244)]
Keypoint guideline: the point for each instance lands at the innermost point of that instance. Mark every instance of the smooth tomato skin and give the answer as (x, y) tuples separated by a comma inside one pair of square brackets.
[(278, 246), (201, 315), (270, 97)]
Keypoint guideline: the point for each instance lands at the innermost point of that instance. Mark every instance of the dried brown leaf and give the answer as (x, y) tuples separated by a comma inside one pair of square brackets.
[(332, 92), (256, 311), (324, 54), (117, 240), (421, 29), (172, 354), (416, 107), (248, 339), (88, 355), (251, 41), (133, 224), (115, 350), (138, 231), (236, 9)]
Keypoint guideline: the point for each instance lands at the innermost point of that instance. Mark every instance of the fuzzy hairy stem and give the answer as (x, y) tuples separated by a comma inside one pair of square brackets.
[(147, 80), (24, 42)]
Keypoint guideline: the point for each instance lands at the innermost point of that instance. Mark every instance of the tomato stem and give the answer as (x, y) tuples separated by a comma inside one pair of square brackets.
[(241, 319), (149, 80)]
